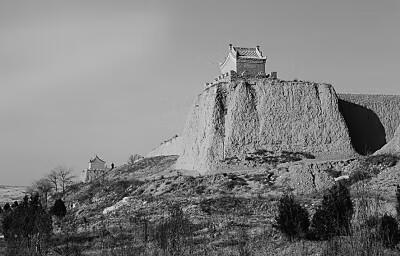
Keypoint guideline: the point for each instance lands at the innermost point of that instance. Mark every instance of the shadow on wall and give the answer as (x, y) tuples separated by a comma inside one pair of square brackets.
[(366, 130)]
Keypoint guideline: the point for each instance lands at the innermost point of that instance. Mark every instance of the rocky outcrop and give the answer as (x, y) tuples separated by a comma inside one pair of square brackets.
[(393, 146), (311, 177), (232, 119), (172, 146), (372, 119)]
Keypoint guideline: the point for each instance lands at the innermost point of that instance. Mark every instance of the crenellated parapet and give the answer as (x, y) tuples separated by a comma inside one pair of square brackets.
[(232, 76), (168, 147), (224, 78)]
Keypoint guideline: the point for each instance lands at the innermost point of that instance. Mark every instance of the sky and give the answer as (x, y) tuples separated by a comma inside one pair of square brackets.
[(115, 78)]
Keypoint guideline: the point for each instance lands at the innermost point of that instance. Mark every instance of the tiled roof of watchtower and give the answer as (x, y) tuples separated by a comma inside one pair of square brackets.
[(94, 159), (246, 52)]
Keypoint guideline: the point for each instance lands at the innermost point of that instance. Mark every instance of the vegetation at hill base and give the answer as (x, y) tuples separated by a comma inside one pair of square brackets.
[(149, 208)]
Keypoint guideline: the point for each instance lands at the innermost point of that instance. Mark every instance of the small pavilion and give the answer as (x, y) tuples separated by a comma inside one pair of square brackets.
[(244, 61)]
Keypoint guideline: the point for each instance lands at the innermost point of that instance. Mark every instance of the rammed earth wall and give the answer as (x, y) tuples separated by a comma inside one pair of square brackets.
[(231, 119), (237, 116), (172, 146), (372, 119)]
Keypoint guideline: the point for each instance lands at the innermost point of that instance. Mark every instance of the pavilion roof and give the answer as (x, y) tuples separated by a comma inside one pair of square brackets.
[(94, 159), (246, 52)]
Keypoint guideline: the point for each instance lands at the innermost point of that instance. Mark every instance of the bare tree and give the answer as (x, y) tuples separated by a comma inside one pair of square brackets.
[(65, 177), (133, 158), (53, 178), (61, 177)]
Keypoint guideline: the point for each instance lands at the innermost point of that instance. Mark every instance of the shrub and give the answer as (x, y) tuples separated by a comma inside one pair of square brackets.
[(292, 219), (388, 231), (359, 175), (333, 216), (171, 235), (59, 209), (385, 160)]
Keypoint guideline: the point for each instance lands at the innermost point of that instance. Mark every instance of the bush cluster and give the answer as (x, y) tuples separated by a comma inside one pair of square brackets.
[(385, 160), (27, 227), (333, 218)]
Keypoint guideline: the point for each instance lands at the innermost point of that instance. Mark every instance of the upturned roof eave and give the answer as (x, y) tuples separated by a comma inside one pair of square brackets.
[(94, 158), (252, 58), (228, 56)]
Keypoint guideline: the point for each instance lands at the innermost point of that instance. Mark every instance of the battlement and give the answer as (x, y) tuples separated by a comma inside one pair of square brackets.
[(232, 76), (227, 77), (171, 146)]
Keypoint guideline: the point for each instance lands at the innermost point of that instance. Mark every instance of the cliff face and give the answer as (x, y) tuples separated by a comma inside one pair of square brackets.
[(232, 119), (202, 138), (372, 119)]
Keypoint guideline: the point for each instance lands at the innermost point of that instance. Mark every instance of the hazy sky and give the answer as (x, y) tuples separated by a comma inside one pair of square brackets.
[(115, 78)]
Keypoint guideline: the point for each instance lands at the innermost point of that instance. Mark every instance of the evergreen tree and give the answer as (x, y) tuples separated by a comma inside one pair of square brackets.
[(292, 219), (59, 208), (388, 231), (333, 216), (7, 207)]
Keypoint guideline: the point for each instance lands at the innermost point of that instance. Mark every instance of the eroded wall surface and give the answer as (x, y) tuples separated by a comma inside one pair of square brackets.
[(232, 119)]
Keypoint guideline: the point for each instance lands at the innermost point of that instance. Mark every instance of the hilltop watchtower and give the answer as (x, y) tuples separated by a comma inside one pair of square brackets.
[(249, 61), (97, 163), (97, 168)]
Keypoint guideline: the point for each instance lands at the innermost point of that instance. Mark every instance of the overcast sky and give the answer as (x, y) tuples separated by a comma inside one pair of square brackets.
[(114, 78)]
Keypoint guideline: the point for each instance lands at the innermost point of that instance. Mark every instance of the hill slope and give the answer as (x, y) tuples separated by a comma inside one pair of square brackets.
[(220, 206)]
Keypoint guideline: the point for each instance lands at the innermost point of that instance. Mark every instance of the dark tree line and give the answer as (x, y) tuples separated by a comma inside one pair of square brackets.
[(333, 218), (27, 226)]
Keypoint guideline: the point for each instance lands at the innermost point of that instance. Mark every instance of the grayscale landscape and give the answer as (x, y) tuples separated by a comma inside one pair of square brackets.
[(175, 128)]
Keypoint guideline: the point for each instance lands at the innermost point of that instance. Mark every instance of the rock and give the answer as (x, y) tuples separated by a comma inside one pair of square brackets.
[(343, 177), (125, 201), (232, 119), (307, 178)]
